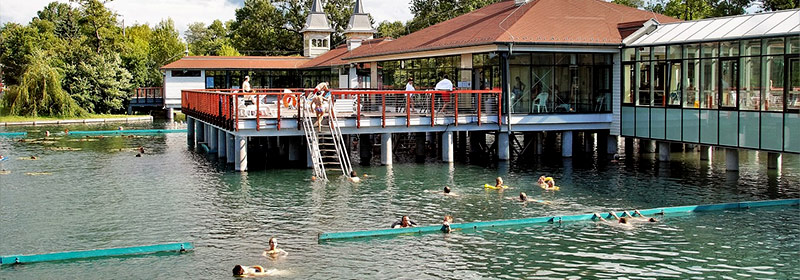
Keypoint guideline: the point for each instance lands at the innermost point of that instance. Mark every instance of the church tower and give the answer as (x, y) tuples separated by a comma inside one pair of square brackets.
[(359, 28), (316, 32)]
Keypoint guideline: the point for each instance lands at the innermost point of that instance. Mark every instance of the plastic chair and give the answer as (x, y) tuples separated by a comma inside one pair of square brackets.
[(540, 103)]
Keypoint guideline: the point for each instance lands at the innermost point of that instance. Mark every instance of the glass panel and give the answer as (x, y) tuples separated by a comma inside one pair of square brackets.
[(643, 84), (691, 51), (542, 91), (520, 59), (659, 84), (751, 47), (710, 50), (642, 122), (793, 101), (547, 58), (730, 80), (750, 84), (674, 124), (771, 125), (628, 83), (728, 128), (584, 59), (793, 44), (674, 86), (628, 121), (709, 126), (730, 48), (773, 83), (628, 54), (659, 53), (748, 129), (601, 93), (520, 89), (708, 96), (643, 53), (691, 126), (561, 90), (658, 123), (791, 133), (773, 46), (603, 59), (691, 80), (675, 52)]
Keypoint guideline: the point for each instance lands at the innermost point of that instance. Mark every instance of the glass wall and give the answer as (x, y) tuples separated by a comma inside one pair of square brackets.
[(232, 79), (425, 71)]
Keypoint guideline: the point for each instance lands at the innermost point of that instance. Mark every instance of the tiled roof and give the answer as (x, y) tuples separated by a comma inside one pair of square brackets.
[(238, 62), (592, 22), (336, 56)]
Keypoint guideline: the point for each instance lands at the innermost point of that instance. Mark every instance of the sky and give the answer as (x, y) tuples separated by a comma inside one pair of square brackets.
[(184, 12)]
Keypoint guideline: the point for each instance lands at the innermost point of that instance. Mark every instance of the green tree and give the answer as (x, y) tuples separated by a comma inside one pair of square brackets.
[(227, 50), (39, 91), (101, 84), (136, 54), (165, 47), (427, 13), (64, 18), (18, 43), (391, 29), (209, 40), (261, 29), (630, 3), (99, 24), (775, 5)]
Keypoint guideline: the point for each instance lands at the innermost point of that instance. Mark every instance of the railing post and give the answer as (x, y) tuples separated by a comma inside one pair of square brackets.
[(236, 111), (383, 110), (455, 106), (279, 111), (358, 111), (479, 109), (258, 113)]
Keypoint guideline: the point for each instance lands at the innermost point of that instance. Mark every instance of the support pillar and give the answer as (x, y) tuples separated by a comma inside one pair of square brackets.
[(629, 145), (365, 148), (503, 147), (386, 149), (705, 153), (420, 145), (612, 145), (190, 132), (309, 161), (222, 149), (240, 163), (732, 159), (294, 149), (201, 131), (212, 139), (461, 147), (646, 146), (231, 154), (539, 138), (773, 160), (663, 151), (170, 114), (588, 142), (566, 144), (447, 146)]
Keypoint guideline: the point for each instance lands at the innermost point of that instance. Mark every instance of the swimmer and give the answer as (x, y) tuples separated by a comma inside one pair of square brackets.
[(499, 183), (404, 223), (446, 224), (448, 192), (250, 271), (354, 177), (46, 133), (273, 250), (524, 199), (637, 216), (33, 158), (625, 221), (141, 150), (541, 180)]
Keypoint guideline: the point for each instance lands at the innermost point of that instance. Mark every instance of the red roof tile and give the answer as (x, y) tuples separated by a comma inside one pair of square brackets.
[(238, 62), (582, 22), (335, 56)]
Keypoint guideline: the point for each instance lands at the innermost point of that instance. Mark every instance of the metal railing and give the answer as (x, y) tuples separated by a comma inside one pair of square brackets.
[(226, 108), (148, 95)]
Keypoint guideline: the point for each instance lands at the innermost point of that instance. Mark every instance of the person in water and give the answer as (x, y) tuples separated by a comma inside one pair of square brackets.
[(547, 182), (446, 224), (621, 221), (404, 223), (448, 192), (523, 197), (498, 183), (354, 177), (249, 271), (273, 250), (637, 216)]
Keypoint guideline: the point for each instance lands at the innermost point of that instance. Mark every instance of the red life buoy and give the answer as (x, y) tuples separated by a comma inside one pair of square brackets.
[(289, 101)]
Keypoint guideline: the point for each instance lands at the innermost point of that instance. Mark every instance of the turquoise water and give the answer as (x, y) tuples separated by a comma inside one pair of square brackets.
[(98, 195)]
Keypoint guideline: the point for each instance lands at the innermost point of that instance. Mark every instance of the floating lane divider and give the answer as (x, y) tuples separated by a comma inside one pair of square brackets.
[(553, 219), (19, 259), (13, 134), (133, 131)]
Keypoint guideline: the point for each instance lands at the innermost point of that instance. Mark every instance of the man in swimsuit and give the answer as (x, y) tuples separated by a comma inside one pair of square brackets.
[(404, 223), (249, 271), (273, 250)]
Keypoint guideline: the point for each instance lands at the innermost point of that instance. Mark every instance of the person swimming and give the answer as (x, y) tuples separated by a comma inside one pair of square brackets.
[(273, 250), (446, 224), (404, 222), (250, 271), (523, 197), (354, 177), (498, 183), (547, 183), (637, 216)]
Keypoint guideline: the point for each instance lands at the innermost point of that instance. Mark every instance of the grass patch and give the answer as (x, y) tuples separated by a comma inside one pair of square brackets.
[(180, 117), (6, 118)]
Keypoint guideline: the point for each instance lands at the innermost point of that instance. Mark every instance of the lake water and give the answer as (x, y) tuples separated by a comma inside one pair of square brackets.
[(97, 194)]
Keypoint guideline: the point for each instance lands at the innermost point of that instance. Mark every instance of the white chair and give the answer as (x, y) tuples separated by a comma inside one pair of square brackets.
[(540, 103), (344, 107)]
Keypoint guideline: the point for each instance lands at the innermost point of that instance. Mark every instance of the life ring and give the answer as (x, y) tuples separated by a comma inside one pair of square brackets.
[(289, 101)]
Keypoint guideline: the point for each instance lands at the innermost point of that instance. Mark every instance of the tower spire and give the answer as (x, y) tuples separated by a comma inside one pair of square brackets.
[(316, 32), (360, 27)]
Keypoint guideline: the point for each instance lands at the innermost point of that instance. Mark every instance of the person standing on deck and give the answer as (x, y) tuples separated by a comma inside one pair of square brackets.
[(446, 85), (409, 87), (246, 88)]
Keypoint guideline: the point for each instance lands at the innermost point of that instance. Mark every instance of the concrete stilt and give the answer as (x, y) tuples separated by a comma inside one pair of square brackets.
[(503, 146), (732, 159), (190, 132), (663, 151), (231, 154), (309, 161), (201, 130), (240, 163), (222, 149), (420, 144), (447, 146), (612, 144), (170, 114), (773, 160), (705, 153), (646, 146), (386, 149), (294, 149), (629, 145), (588, 142), (212, 140), (539, 138), (461, 147), (365, 148), (566, 144)]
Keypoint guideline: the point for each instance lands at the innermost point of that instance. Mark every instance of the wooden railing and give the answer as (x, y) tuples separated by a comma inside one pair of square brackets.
[(148, 95)]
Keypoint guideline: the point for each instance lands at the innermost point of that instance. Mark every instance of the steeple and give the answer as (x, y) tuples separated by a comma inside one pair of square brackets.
[(316, 32), (359, 28)]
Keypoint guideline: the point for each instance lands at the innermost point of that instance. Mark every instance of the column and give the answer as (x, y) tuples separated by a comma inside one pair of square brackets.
[(773, 160), (240, 160), (309, 161), (705, 153), (732, 159), (566, 144), (588, 142), (222, 149), (612, 145), (503, 147), (170, 114), (629, 145), (294, 148), (447, 146), (420, 144), (231, 154), (663, 151), (365, 148), (190, 131), (539, 138), (461, 147), (386, 149), (201, 130), (212, 139)]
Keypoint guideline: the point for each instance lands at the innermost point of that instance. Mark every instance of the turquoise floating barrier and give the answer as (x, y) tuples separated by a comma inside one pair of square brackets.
[(18, 259), (13, 134), (553, 219), (132, 131)]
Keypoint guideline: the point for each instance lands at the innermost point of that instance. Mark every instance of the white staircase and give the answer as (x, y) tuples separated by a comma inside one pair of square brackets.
[(328, 148)]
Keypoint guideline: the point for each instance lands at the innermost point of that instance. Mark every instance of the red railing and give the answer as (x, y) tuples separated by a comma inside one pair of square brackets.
[(225, 108)]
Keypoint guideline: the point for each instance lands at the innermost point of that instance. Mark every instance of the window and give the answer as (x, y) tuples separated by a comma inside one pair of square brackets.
[(794, 84), (674, 52), (751, 47), (629, 54), (691, 80), (691, 51), (628, 83), (729, 78), (773, 46), (708, 95), (710, 50), (730, 48), (674, 86), (643, 83), (186, 73), (659, 99), (773, 83), (750, 83)]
